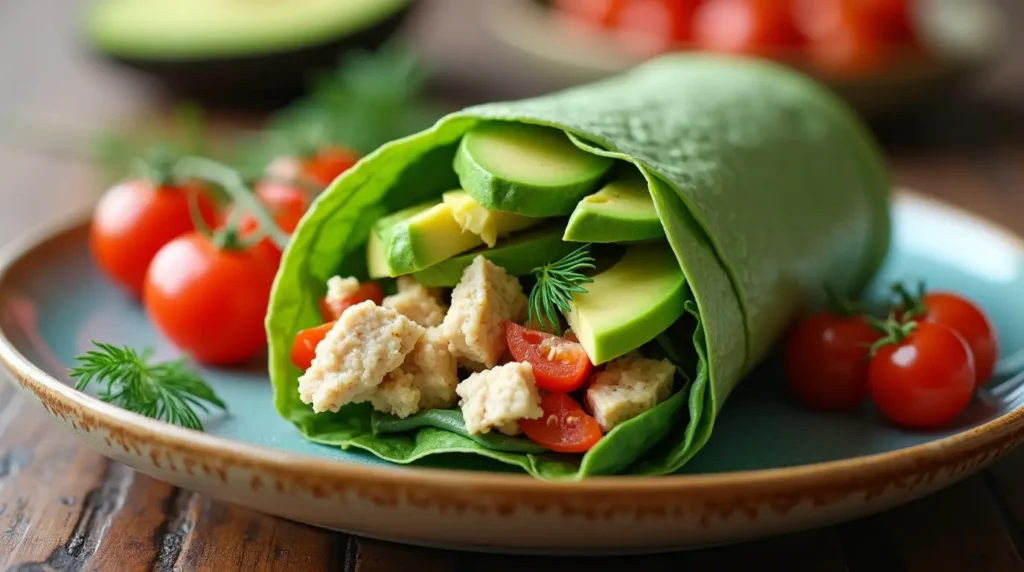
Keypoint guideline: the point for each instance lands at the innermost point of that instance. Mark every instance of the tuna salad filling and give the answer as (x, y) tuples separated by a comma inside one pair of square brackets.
[(527, 304)]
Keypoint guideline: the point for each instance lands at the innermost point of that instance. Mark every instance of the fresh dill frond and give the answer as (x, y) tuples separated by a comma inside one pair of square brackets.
[(556, 282), (166, 391)]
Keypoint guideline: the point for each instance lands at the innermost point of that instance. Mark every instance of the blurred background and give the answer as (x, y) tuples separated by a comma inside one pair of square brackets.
[(84, 87)]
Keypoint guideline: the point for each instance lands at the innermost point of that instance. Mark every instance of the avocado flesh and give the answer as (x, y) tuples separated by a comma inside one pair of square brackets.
[(622, 211), (376, 247), (199, 29), (518, 255), (487, 224), (243, 72), (421, 240), (630, 303), (526, 169)]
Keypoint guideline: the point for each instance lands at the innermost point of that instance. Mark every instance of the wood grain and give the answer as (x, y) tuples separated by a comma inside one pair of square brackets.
[(366, 555), (805, 552), (218, 536), (64, 507), (960, 529)]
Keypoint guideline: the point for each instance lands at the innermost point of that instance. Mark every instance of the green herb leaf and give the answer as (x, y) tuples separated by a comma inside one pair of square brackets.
[(166, 391), (556, 283)]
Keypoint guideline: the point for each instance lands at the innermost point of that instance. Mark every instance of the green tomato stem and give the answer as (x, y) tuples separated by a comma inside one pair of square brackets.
[(234, 185)]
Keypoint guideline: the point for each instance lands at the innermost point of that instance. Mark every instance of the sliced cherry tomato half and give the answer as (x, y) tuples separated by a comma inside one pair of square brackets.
[(826, 360), (304, 346), (366, 291), (924, 380), (558, 364), (564, 427)]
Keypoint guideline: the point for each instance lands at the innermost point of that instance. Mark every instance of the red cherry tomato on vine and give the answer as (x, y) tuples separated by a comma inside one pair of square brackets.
[(304, 346), (366, 291), (844, 38), (893, 18), (319, 169), (135, 219), (558, 364), (924, 380), (760, 27), (654, 26), (564, 427), (826, 360), (967, 319), (209, 301), (596, 13), (286, 204)]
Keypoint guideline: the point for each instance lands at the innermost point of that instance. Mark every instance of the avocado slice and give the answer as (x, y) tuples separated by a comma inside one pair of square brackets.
[(630, 303), (622, 211), (416, 238), (527, 169), (487, 224), (376, 248), (223, 51), (518, 255)]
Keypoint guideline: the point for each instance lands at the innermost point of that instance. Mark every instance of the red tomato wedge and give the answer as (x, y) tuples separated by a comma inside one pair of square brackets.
[(558, 364), (366, 291), (564, 428), (304, 347)]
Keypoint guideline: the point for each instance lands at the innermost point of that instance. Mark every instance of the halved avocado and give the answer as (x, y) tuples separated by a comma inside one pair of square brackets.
[(226, 51), (630, 303), (518, 255)]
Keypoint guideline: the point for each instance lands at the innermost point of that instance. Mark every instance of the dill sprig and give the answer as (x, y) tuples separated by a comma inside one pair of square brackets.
[(166, 391), (556, 282)]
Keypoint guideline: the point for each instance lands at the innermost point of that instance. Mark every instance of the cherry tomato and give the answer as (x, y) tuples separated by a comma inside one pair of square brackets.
[(366, 291), (320, 168), (965, 318), (285, 203), (844, 40), (133, 220), (760, 27), (924, 380), (654, 26), (304, 346), (826, 360), (893, 19), (564, 427), (558, 364), (596, 13), (209, 301)]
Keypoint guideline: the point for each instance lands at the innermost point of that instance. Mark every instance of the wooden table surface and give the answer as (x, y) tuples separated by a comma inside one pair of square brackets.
[(65, 507)]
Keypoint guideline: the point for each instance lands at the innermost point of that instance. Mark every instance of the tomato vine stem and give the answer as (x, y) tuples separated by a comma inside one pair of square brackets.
[(233, 183)]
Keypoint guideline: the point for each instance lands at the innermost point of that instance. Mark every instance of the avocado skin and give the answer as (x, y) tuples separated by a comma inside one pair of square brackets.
[(261, 82)]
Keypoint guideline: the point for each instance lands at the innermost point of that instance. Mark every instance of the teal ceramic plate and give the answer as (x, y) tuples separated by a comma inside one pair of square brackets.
[(769, 468)]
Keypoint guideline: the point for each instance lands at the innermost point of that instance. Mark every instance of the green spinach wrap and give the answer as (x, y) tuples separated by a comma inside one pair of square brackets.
[(766, 187)]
